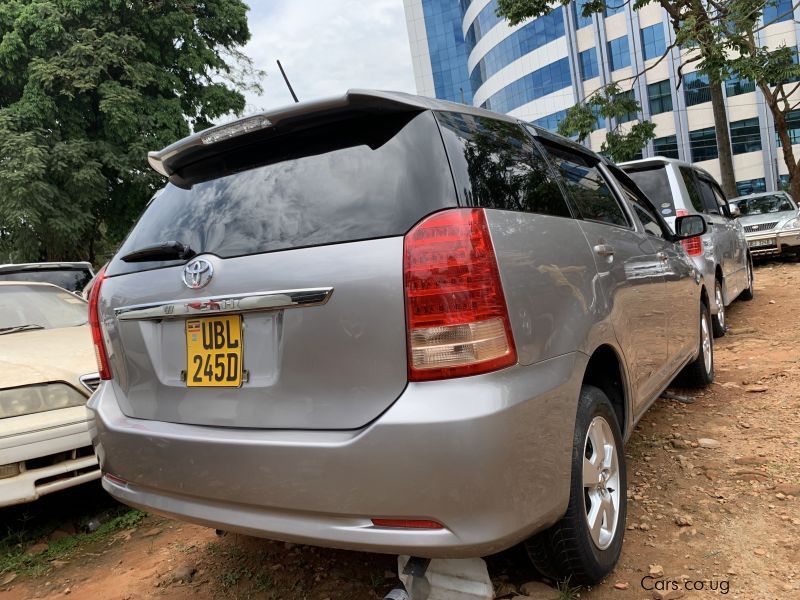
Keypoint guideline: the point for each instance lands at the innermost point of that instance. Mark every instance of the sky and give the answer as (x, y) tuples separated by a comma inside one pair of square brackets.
[(327, 47)]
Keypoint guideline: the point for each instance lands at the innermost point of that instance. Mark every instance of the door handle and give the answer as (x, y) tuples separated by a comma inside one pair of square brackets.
[(604, 250), (662, 256)]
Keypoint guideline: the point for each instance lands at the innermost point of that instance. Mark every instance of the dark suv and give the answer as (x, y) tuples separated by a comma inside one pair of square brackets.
[(389, 323)]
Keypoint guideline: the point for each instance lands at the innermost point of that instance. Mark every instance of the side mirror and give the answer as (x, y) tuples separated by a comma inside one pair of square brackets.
[(735, 212), (690, 226)]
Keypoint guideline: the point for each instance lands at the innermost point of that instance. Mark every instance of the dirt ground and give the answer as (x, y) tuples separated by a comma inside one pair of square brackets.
[(714, 502)]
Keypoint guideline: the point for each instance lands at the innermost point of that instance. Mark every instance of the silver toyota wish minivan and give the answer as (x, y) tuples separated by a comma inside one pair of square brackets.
[(388, 323)]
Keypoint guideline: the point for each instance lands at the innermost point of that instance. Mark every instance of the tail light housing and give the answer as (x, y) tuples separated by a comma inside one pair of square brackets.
[(693, 246), (456, 314), (94, 323)]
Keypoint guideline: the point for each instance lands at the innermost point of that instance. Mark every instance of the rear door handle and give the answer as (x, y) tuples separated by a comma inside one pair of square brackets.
[(604, 250)]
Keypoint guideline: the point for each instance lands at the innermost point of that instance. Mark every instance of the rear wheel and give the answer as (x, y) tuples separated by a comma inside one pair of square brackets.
[(748, 293), (700, 372), (586, 543), (718, 320)]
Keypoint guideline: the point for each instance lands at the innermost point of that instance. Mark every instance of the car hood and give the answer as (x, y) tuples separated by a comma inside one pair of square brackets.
[(44, 355), (778, 217)]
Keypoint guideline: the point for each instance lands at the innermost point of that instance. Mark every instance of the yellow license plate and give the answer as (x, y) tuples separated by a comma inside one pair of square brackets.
[(214, 352)]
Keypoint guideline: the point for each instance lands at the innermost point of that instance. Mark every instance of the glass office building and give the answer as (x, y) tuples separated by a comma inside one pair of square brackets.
[(462, 51)]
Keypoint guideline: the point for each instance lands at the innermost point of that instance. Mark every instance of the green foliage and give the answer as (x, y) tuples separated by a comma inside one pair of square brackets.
[(87, 87), (624, 141)]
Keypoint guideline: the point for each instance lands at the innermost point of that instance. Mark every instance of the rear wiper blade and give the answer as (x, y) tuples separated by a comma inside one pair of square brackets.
[(171, 250), (16, 328)]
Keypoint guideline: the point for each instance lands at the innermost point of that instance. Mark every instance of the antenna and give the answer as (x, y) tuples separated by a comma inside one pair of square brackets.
[(286, 79)]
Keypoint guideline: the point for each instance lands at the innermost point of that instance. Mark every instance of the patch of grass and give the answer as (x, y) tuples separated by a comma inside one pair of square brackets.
[(15, 541), (568, 592)]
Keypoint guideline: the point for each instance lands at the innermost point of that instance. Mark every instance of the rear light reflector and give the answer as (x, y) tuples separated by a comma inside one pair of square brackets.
[(407, 524), (455, 309), (115, 479), (100, 352)]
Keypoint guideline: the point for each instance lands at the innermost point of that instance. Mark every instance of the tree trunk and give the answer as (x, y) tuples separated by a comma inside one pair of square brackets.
[(786, 147), (723, 140)]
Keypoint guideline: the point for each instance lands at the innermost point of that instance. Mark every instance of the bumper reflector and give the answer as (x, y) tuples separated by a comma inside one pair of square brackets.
[(407, 524), (114, 479)]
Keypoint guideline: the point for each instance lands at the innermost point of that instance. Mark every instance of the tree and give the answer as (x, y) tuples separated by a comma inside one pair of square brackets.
[(87, 87), (623, 142), (693, 25)]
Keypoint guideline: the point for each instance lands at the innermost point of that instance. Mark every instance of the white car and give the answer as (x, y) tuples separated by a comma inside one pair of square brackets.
[(47, 367)]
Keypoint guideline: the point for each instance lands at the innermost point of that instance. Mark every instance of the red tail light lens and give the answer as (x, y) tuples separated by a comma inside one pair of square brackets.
[(693, 246), (681, 212), (455, 309), (94, 323)]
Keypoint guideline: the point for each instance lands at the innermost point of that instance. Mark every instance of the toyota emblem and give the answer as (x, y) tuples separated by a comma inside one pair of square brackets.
[(197, 273)]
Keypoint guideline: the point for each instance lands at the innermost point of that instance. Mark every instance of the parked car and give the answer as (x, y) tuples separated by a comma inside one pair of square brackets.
[(771, 222), (678, 188), (47, 372), (393, 324), (72, 276)]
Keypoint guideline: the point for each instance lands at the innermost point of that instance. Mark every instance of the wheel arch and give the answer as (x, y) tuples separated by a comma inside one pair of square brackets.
[(606, 371)]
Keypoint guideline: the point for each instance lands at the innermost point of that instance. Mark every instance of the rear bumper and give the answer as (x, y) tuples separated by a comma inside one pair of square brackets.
[(488, 457), (48, 459), (781, 241)]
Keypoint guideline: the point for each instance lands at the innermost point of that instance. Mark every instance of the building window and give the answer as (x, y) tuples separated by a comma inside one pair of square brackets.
[(793, 127), (745, 136), (589, 68), (783, 183), (776, 11), (533, 35), (653, 44), (751, 186), (530, 87), (696, 89), (666, 146), (484, 22), (614, 7), (600, 123), (580, 20), (550, 122), (735, 87), (629, 116), (619, 55), (448, 51), (659, 97), (703, 143)]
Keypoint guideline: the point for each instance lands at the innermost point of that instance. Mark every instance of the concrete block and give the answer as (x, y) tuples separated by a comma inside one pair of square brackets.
[(449, 579)]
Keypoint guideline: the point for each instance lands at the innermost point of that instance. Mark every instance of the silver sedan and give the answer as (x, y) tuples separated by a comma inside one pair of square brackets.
[(771, 222)]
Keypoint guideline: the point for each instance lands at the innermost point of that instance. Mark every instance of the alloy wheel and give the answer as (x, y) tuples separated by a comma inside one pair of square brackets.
[(705, 333), (601, 482), (720, 305)]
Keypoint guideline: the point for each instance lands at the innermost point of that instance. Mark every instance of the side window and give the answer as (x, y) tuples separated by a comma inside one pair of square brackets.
[(594, 199), (722, 203), (499, 165), (707, 194), (691, 186), (645, 213)]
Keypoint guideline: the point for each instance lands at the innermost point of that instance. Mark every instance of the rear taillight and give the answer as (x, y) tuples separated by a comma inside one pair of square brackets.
[(693, 246), (456, 313), (94, 322)]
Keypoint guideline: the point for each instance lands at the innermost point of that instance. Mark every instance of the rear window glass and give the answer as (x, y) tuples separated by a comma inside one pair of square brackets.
[(363, 178), (654, 183), (69, 279), (39, 307), (499, 165)]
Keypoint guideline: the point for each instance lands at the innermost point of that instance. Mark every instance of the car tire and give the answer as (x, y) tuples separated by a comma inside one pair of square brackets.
[(748, 293), (718, 320), (700, 372), (571, 548)]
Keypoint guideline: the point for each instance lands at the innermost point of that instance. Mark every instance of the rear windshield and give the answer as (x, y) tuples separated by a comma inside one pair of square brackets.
[(762, 205), (655, 185), (69, 279), (363, 178)]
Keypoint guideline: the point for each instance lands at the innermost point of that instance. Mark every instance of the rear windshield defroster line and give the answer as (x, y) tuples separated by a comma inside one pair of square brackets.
[(363, 178)]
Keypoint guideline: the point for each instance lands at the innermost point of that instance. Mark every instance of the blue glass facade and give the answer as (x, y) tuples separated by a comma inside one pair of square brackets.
[(534, 35), (776, 11), (485, 20), (536, 84), (589, 66), (577, 8), (550, 122), (653, 43), (619, 54), (448, 51)]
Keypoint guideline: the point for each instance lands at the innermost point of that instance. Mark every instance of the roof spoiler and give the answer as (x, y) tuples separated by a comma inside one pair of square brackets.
[(220, 138)]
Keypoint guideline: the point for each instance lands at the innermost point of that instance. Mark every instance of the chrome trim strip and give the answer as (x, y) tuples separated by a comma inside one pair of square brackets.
[(91, 381), (217, 305)]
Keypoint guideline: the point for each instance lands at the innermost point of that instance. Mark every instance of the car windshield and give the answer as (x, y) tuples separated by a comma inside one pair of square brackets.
[(73, 280), (761, 205), (29, 307)]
